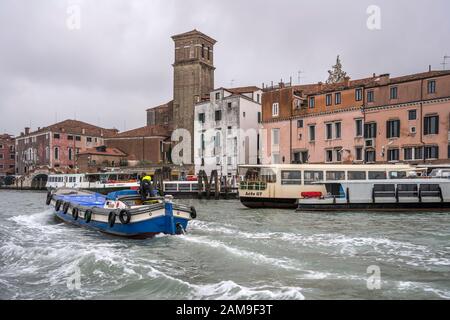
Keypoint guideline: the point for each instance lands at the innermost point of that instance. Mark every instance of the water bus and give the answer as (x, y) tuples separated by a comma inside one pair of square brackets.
[(95, 182), (281, 185)]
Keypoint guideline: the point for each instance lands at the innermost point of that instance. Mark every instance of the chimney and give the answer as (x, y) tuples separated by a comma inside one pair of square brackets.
[(429, 68), (347, 81), (320, 85), (384, 78), (27, 130), (374, 75)]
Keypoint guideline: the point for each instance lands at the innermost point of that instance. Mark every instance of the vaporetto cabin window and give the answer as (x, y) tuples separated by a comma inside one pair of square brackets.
[(335, 175), (313, 176), (356, 175), (291, 177)]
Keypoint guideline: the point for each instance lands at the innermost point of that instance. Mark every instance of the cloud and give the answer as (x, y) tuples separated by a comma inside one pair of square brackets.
[(119, 62)]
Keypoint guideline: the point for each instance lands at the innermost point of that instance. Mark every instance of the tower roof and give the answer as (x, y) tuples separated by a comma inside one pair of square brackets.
[(193, 33)]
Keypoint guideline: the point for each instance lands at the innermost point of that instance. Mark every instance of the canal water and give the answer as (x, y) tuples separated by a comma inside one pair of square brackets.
[(229, 252)]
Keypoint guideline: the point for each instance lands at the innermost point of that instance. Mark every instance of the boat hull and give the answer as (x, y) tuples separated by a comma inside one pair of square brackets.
[(139, 230), (266, 203)]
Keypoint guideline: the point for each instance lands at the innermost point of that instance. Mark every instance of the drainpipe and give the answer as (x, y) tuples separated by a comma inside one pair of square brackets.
[(363, 110), (421, 121)]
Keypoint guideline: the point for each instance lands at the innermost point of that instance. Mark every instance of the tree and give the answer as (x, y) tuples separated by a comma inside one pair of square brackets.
[(336, 74)]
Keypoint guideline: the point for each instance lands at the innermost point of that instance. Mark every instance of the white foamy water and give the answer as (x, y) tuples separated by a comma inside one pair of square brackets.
[(228, 253)]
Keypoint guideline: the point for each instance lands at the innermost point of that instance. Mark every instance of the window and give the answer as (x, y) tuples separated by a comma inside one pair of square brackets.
[(313, 176), (77, 138), (370, 96), (358, 94), (370, 156), (432, 152), (312, 133), (329, 131), (356, 175), (300, 157), (259, 117), (56, 153), (312, 102), (229, 105), (358, 152), (11, 157), (243, 114), (328, 99), (359, 127), (393, 154), (448, 152), (418, 153), (408, 154), (431, 125), (275, 137), (370, 130), (394, 93), (88, 139), (1, 146), (377, 175), (69, 137), (291, 177), (431, 86), (70, 154), (275, 111), (337, 127), (338, 155), (1, 155), (56, 136), (299, 123), (201, 117), (217, 95), (335, 175), (218, 115), (329, 155), (203, 50), (393, 129), (258, 98), (337, 98), (412, 114), (276, 158)]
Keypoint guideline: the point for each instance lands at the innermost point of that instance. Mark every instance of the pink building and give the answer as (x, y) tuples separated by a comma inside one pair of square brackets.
[(377, 119), (6, 155), (56, 146)]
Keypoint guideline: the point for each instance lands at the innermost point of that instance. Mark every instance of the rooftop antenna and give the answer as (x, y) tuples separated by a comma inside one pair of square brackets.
[(444, 63), (299, 75)]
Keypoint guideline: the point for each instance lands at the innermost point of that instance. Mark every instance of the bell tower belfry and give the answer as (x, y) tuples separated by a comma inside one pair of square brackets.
[(193, 77)]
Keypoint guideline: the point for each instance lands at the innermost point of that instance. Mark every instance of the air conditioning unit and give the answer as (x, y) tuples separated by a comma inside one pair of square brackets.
[(369, 143), (412, 129)]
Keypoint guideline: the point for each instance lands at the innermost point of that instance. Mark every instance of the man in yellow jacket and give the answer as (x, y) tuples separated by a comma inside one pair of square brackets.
[(146, 187)]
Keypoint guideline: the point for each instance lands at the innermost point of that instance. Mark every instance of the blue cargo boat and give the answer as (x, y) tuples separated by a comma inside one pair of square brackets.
[(121, 213)]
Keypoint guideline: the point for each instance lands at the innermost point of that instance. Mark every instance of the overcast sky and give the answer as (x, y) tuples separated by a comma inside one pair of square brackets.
[(118, 63)]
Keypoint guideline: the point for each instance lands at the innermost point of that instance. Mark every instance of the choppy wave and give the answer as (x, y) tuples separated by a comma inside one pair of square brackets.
[(416, 255)]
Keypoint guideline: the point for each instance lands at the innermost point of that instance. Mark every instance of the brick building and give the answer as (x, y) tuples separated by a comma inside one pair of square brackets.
[(146, 145), (57, 145), (7, 155), (377, 119), (193, 80), (96, 159)]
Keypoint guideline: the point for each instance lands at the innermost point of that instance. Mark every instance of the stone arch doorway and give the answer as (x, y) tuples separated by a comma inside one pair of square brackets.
[(39, 181)]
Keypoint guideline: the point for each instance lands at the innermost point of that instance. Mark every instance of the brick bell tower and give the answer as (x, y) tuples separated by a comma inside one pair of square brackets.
[(193, 77)]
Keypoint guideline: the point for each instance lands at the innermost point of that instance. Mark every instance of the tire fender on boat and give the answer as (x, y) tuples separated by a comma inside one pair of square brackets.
[(58, 205), (66, 206), (193, 213), (49, 198), (88, 216), (75, 214), (112, 219), (125, 217)]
